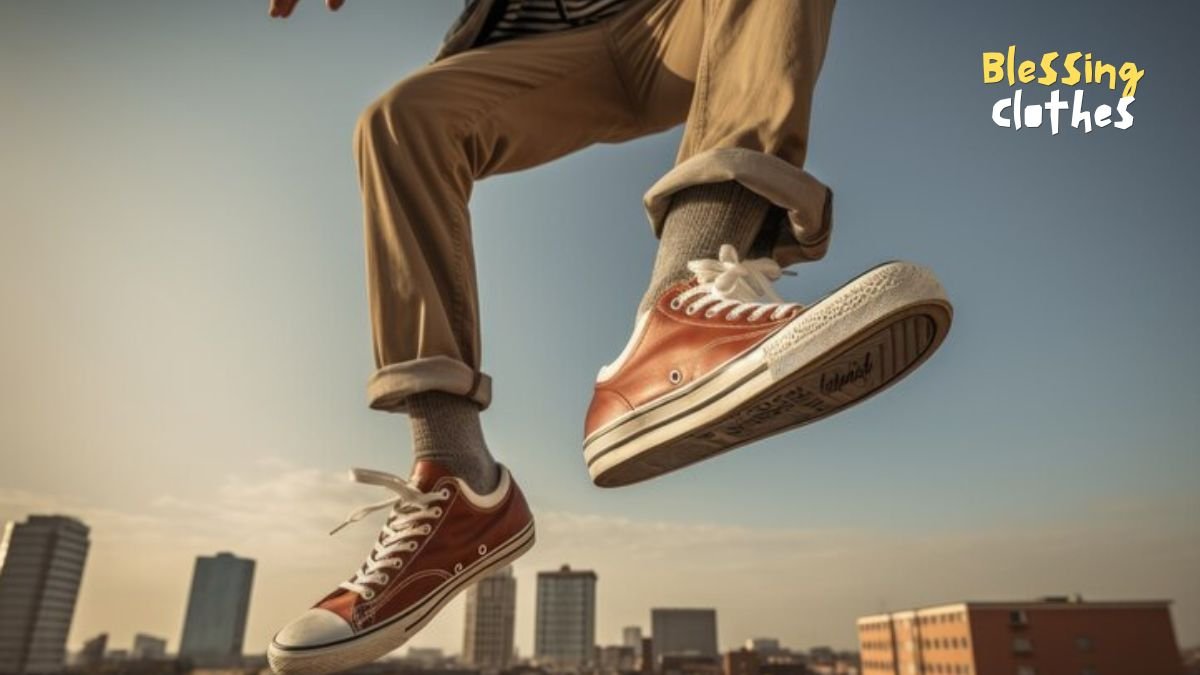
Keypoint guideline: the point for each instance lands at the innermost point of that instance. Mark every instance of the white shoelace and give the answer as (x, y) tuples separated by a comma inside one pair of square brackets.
[(400, 531), (740, 286)]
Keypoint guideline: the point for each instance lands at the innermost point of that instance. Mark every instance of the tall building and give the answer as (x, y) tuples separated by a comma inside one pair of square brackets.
[(215, 624), (1044, 637), (41, 564), (684, 632), (148, 648), (488, 630), (631, 636), (565, 635)]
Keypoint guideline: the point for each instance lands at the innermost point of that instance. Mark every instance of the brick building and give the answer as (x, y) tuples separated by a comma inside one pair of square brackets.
[(1047, 637)]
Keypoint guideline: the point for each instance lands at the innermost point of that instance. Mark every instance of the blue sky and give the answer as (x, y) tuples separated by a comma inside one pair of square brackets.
[(182, 281)]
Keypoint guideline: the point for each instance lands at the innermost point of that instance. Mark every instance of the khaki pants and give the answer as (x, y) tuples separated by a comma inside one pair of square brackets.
[(739, 73)]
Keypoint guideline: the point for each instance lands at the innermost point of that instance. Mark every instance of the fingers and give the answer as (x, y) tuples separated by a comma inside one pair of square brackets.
[(282, 9)]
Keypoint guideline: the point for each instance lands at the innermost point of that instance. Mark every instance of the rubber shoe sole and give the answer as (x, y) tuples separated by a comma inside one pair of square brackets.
[(392, 634), (851, 345)]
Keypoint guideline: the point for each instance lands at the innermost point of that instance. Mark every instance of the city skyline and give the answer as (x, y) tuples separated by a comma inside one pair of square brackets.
[(682, 632), (181, 270), (963, 638)]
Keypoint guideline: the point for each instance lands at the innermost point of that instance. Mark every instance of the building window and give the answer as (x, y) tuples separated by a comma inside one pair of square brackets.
[(1018, 617), (1083, 643), (1022, 645)]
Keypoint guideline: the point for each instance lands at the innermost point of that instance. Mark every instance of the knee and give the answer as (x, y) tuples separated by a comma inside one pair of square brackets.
[(418, 108)]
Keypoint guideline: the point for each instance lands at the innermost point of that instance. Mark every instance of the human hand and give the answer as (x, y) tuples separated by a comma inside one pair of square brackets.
[(282, 9)]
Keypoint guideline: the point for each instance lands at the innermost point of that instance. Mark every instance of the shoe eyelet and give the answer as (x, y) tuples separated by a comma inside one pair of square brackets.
[(483, 549), (457, 567), (710, 314), (412, 546), (676, 303), (691, 310), (444, 493), (731, 317), (368, 594), (437, 511), (384, 578), (675, 377)]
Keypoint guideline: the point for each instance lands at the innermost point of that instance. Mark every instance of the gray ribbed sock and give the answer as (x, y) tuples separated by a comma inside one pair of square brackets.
[(701, 218), (446, 429)]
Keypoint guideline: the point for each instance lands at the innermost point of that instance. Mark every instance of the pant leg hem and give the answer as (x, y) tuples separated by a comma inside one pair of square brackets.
[(390, 386), (809, 202)]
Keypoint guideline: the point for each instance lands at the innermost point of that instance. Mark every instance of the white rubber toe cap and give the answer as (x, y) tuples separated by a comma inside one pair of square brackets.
[(313, 628)]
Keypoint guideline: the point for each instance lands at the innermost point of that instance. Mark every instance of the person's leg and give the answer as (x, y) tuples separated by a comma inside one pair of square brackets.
[(717, 359), (420, 147)]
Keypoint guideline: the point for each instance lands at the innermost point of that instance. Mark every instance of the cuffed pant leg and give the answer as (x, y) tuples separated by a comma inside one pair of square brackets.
[(420, 269), (748, 69)]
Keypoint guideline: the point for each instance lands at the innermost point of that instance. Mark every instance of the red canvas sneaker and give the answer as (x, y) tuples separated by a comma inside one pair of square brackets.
[(721, 360), (439, 538)]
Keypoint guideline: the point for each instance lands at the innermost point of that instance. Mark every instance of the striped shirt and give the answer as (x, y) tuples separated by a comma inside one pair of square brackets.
[(531, 17)]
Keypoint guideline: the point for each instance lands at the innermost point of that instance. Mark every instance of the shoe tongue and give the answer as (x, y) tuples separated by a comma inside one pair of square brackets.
[(426, 473)]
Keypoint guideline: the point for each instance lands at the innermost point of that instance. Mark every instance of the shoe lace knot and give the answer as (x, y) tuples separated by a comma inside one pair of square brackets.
[(405, 526), (740, 286)]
